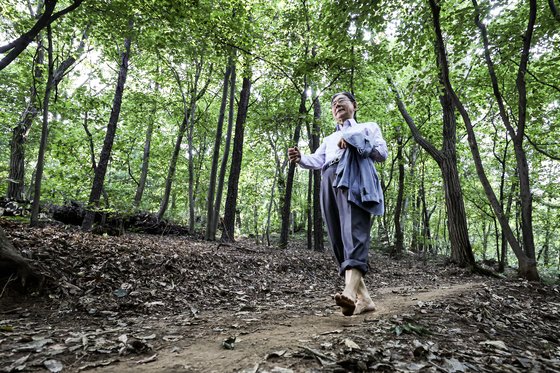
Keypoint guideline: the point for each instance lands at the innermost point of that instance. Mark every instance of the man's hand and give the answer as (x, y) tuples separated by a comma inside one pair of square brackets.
[(294, 155), (342, 144)]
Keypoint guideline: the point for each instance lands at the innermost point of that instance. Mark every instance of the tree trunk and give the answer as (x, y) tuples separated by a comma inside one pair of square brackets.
[(461, 250), (398, 248), (44, 134), (16, 178), (190, 165), (426, 215), (146, 155), (172, 166), (237, 157), (225, 157), (287, 205), (317, 215), (210, 233), (101, 170), (12, 262), (269, 210)]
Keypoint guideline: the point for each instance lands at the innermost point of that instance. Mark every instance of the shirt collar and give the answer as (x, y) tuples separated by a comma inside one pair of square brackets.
[(347, 124)]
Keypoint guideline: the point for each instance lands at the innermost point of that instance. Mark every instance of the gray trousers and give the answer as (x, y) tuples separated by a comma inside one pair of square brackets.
[(348, 226)]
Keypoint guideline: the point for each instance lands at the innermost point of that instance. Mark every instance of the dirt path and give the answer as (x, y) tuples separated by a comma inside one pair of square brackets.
[(260, 334)]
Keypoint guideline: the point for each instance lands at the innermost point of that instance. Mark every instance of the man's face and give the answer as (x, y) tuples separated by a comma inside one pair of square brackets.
[(342, 108)]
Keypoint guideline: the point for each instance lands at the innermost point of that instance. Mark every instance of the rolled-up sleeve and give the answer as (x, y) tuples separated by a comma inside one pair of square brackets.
[(313, 161), (380, 153)]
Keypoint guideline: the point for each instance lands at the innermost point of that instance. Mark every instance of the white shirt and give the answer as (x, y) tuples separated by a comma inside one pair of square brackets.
[(329, 150)]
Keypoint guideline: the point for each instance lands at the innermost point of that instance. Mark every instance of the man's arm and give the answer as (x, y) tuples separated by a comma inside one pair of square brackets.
[(313, 161)]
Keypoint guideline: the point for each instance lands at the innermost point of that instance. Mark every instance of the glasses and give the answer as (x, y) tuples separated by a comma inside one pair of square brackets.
[(342, 100)]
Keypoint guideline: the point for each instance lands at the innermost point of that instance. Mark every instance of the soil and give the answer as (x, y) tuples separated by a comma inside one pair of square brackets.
[(151, 303)]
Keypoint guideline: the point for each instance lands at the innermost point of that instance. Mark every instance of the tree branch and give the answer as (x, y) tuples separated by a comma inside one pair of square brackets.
[(425, 144), (542, 151), (17, 46)]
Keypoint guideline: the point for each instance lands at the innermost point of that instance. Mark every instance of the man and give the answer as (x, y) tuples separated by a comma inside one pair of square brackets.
[(350, 195)]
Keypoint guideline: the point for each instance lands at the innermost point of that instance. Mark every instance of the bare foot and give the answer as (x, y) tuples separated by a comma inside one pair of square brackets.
[(346, 303), (363, 306)]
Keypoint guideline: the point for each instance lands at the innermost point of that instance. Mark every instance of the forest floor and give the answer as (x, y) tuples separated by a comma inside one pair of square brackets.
[(147, 303)]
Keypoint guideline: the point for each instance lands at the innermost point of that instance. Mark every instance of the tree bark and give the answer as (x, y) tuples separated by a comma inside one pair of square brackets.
[(269, 209), (237, 157), (398, 248), (101, 170), (12, 262), (318, 239)]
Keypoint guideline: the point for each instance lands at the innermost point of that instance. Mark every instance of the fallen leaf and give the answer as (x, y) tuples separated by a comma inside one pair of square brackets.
[(453, 365), (53, 365), (18, 365), (498, 344), (275, 354), (147, 360), (351, 344)]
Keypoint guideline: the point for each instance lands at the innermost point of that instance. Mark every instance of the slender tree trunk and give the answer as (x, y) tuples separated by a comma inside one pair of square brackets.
[(287, 206), (225, 157), (398, 248), (236, 159), (210, 233), (317, 215), (269, 210), (426, 215), (146, 156), (16, 178), (172, 166), (101, 170), (190, 133), (35, 208), (309, 210)]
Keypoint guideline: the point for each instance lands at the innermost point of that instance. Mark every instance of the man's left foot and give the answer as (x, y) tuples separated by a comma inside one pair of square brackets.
[(347, 304)]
